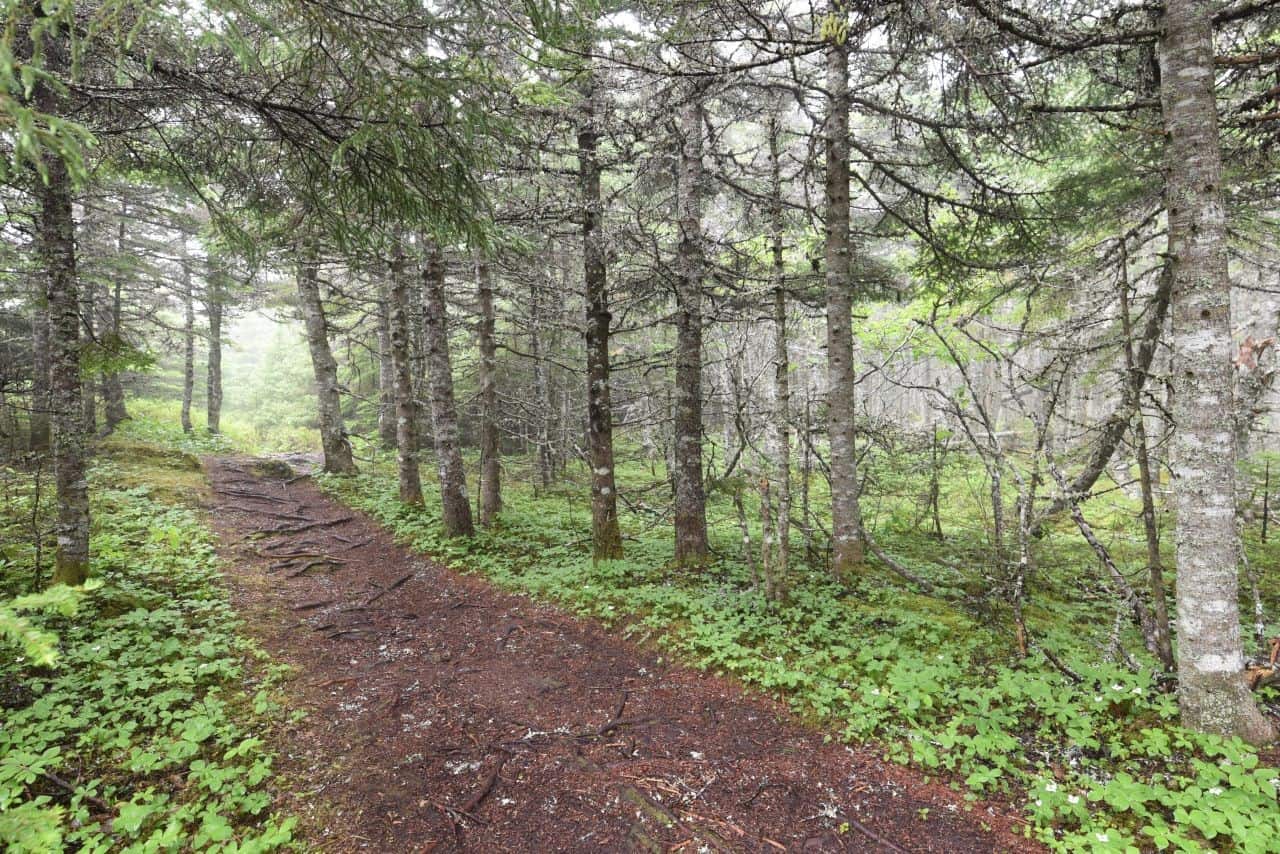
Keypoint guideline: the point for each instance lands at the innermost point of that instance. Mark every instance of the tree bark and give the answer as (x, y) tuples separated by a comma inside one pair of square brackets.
[(39, 420), (781, 370), (690, 500), (846, 517), (213, 308), (1212, 692), (541, 389), (606, 535), (406, 409), (333, 434), (386, 377), (114, 411), (55, 229), (456, 508), (490, 455), (88, 386), (188, 344), (1155, 566)]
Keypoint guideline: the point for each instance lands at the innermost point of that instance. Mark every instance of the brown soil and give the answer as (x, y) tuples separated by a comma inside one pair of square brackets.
[(447, 715)]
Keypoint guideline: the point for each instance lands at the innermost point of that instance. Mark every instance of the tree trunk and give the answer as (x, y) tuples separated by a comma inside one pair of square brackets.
[(114, 411), (846, 517), (606, 535), (333, 434), (690, 502), (55, 230), (406, 423), (88, 386), (1155, 567), (213, 307), (39, 420), (541, 389), (456, 508), (777, 579), (188, 344), (113, 389), (490, 458), (1212, 691), (387, 377)]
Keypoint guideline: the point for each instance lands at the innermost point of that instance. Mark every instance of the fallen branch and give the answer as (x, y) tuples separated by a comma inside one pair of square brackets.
[(892, 564)]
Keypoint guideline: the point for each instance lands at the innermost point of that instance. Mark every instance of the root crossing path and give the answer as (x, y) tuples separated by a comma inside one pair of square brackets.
[(447, 715)]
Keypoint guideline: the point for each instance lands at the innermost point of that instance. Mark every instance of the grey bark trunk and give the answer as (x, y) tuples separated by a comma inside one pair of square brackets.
[(846, 517), (114, 411), (1155, 566), (39, 421), (213, 375), (386, 378), (406, 409), (88, 386), (490, 457), (56, 247), (606, 535), (333, 434), (541, 389), (690, 500), (1212, 692), (781, 370), (188, 345), (113, 408), (456, 508)]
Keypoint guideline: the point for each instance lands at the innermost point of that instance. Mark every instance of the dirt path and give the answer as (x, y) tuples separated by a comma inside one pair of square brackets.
[(446, 715)]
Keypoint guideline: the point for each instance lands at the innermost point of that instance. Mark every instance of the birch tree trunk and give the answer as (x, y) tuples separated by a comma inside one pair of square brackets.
[(606, 535), (188, 344), (690, 500), (386, 377), (456, 508), (55, 243), (846, 517), (490, 459), (333, 434), (213, 373), (406, 410), (1212, 692)]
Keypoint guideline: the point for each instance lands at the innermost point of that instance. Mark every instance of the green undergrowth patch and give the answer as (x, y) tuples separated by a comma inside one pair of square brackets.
[(133, 715), (1100, 764)]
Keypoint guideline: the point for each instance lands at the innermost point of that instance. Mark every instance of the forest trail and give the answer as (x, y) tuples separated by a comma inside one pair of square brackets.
[(447, 715)]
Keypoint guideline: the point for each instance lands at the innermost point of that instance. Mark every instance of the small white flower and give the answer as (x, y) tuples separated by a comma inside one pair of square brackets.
[(1073, 799), (1136, 690), (1102, 837), (875, 692), (1117, 687), (1215, 791), (1039, 802), (1098, 699), (1051, 786)]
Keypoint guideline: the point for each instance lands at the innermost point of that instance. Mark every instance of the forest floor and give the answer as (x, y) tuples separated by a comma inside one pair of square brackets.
[(445, 714)]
